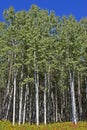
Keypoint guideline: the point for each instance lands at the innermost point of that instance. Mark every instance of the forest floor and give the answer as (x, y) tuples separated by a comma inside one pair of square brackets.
[(5, 125)]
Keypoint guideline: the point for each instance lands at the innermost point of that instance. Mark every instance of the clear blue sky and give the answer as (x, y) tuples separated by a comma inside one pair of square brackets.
[(78, 8)]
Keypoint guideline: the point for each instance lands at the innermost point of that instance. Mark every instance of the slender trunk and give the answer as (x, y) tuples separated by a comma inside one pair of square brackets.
[(37, 100), (8, 84), (56, 107), (24, 109), (30, 110), (20, 106), (14, 97), (73, 97), (53, 107), (37, 91), (67, 114), (79, 98), (48, 104), (62, 105), (9, 104), (86, 86), (21, 95), (45, 120)]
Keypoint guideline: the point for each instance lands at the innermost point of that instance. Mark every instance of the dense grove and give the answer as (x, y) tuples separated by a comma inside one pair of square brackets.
[(43, 67)]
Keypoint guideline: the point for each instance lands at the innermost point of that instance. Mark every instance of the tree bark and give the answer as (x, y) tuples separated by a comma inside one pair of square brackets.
[(24, 109), (72, 91), (37, 89), (20, 106), (37, 99), (8, 83), (30, 109), (62, 104), (48, 104), (9, 104), (14, 97), (21, 95), (56, 107), (45, 120), (53, 107), (79, 98), (86, 86)]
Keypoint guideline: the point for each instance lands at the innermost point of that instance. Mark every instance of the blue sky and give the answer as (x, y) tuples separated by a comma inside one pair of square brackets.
[(78, 8)]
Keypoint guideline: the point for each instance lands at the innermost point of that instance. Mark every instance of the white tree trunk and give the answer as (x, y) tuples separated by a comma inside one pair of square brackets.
[(62, 104), (20, 106), (79, 98), (36, 87), (8, 84), (48, 104), (9, 104), (30, 109), (14, 97), (21, 95), (45, 120), (74, 118), (24, 109), (37, 100), (56, 107), (53, 107)]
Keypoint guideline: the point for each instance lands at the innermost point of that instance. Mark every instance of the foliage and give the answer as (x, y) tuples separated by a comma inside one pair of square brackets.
[(34, 43)]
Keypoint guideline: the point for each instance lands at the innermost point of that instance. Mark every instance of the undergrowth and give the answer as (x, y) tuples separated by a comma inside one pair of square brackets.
[(6, 125)]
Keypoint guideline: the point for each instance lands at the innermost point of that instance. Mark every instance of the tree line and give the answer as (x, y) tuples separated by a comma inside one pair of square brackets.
[(43, 67)]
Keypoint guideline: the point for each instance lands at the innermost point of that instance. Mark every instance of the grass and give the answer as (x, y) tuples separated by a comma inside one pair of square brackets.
[(6, 125)]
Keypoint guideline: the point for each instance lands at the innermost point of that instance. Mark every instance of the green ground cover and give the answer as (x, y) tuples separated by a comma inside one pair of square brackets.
[(5, 125)]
